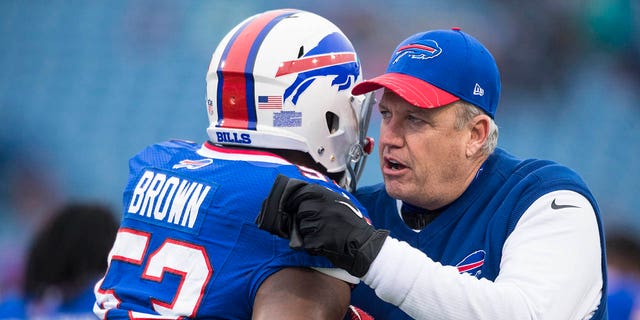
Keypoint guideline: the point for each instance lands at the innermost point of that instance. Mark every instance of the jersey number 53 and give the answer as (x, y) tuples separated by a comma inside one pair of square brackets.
[(188, 261)]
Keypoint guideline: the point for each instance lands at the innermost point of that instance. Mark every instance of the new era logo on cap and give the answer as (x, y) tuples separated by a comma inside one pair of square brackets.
[(477, 90), (435, 68)]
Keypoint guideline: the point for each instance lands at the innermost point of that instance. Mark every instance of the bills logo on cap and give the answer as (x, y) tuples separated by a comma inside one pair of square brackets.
[(472, 263), (322, 61), (421, 51)]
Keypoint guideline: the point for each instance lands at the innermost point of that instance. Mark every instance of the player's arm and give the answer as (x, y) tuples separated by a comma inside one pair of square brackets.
[(301, 293)]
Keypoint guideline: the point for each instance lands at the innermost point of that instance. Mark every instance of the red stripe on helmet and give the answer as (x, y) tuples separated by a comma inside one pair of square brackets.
[(314, 62), (236, 69)]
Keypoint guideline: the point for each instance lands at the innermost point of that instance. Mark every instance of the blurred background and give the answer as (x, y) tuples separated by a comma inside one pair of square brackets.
[(86, 84)]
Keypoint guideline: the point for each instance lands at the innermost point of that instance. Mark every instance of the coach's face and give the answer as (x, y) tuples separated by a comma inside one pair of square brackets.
[(423, 157)]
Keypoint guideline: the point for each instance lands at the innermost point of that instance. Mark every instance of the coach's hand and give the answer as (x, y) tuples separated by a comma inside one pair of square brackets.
[(323, 222), (274, 217)]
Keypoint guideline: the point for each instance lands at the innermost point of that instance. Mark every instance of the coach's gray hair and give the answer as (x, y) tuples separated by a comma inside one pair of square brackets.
[(468, 111)]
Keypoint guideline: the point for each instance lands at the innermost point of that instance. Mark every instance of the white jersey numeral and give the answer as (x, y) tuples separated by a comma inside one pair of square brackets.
[(186, 260)]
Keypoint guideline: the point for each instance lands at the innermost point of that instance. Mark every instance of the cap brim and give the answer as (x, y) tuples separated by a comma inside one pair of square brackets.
[(415, 91)]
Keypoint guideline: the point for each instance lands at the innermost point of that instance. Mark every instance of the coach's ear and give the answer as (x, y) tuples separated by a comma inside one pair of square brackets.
[(479, 131)]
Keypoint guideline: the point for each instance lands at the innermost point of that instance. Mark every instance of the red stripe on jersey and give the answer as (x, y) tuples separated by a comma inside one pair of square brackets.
[(230, 150), (470, 266)]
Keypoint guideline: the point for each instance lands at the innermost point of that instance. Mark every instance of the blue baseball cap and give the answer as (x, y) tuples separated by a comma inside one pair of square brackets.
[(435, 68)]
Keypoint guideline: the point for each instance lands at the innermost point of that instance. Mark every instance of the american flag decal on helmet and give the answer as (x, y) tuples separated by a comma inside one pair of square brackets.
[(269, 102)]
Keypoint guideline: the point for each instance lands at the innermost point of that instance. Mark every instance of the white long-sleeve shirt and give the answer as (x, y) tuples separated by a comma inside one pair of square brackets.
[(550, 269)]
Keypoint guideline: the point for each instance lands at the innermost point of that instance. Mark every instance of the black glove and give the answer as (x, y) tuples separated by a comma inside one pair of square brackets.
[(274, 218), (328, 224)]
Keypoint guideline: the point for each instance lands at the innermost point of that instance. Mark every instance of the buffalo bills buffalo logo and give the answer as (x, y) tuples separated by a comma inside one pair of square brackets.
[(192, 164), (426, 50), (333, 56), (472, 263)]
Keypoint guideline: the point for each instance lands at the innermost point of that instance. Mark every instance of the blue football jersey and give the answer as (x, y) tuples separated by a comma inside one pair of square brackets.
[(188, 245)]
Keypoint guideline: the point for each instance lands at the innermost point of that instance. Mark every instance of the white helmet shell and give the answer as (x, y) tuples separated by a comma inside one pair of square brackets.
[(282, 79)]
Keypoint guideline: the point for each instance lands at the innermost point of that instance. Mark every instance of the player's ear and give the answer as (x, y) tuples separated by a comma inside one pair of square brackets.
[(479, 131)]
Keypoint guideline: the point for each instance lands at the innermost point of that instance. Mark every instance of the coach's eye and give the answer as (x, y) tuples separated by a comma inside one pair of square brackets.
[(413, 119)]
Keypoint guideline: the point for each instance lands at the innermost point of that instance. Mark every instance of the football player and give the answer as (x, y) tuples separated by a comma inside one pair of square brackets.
[(279, 102)]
